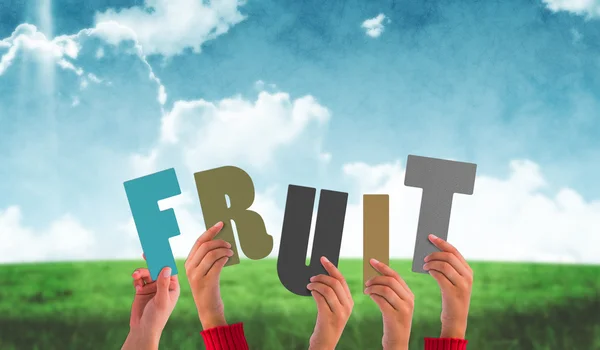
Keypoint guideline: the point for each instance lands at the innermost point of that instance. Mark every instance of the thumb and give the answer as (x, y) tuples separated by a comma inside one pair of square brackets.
[(322, 306), (162, 286)]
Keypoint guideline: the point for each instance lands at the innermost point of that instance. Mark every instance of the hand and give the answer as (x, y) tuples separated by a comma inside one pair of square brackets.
[(203, 268), (396, 302), (153, 303), (455, 278), (334, 306)]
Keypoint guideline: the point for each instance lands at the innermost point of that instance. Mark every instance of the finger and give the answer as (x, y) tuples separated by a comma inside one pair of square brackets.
[(446, 247), (384, 306), (334, 284), (218, 266), (143, 275), (162, 286), (392, 283), (206, 236), (445, 269), (441, 280), (195, 259), (387, 293), (388, 271), (210, 259), (146, 289), (174, 283), (322, 306), (329, 295), (335, 273), (452, 259)]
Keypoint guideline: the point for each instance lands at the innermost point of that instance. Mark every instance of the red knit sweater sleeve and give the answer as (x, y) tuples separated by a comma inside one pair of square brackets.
[(230, 337), (445, 344)]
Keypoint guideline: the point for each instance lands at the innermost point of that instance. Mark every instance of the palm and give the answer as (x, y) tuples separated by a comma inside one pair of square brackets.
[(142, 308), (146, 307)]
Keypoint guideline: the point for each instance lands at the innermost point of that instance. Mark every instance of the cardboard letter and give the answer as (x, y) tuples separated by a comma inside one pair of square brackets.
[(154, 226), (291, 262), (214, 186), (439, 179), (376, 232)]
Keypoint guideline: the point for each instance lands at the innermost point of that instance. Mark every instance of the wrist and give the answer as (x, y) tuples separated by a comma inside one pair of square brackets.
[(316, 346), (320, 344), (454, 331), (396, 335), (142, 340), (395, 343), (212, 321)]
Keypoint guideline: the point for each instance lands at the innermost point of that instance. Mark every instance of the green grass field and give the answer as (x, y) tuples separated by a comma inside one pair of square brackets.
[(86, 306)]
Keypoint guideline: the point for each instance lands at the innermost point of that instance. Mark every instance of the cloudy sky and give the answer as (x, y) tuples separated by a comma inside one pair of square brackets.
[(324, 94)]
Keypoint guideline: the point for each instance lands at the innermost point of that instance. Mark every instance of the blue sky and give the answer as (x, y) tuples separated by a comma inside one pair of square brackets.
[(486, 82)]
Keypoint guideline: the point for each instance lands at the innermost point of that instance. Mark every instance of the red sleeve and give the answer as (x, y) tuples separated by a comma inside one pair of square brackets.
[(445, 344), (230, 337)]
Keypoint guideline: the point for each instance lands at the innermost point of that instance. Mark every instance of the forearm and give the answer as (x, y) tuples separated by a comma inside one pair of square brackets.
[(321, 347), (322, 340), (140, 340), (395, 337), (395, 346)]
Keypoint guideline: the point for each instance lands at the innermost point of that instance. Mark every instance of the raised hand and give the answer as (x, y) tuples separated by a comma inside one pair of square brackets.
[(396, 302), (334, 306), (455, 278), (153, 303), (203, 268)]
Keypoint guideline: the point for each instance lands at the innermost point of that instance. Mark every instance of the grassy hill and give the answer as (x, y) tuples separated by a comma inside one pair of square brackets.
[(86, 306)]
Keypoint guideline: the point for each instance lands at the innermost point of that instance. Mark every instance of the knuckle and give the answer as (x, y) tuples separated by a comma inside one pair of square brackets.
[(446, 268), (390, 280), (193, 277), (202, 250), (337, 283), (387, 291), (212, 255), (329, 293)]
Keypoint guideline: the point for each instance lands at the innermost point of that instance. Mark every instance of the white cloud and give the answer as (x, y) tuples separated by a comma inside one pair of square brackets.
[(168, 27), (27, 37), (505, 219), (64, 239), (374, 26), (588, 8), (63, 50), (235, 131)]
